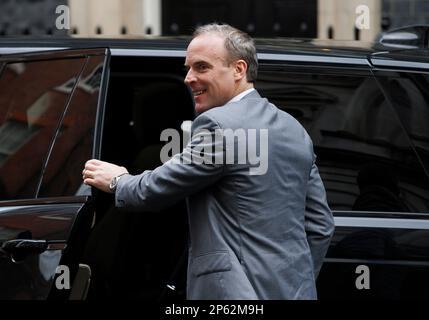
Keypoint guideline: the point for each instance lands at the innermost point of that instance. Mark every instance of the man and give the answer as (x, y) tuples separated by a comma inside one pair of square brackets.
[(252, 236)]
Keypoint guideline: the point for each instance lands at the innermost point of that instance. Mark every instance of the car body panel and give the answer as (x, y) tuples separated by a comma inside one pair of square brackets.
[(31, 276)]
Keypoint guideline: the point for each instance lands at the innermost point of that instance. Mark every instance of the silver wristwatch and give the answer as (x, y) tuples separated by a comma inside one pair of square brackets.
[(114, 183)]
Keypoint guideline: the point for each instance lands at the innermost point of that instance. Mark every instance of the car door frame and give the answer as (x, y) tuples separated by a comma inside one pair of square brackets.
[(78, 209)]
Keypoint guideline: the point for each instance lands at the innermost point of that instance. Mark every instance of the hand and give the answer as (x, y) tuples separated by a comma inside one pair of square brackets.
[(99, 174)]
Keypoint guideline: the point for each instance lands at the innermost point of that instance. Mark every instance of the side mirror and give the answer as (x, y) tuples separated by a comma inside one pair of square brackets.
[(411, 37)]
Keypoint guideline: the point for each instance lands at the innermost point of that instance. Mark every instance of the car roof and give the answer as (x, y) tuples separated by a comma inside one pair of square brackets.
[(332, 48)]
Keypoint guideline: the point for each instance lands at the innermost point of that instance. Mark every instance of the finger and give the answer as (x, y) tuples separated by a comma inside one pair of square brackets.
[(93, 183), (90, 181), (91, 162), (94, 162), (90, 173), (90, 167)]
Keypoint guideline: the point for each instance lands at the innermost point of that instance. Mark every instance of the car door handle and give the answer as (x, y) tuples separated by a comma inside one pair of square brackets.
[(29, 246)]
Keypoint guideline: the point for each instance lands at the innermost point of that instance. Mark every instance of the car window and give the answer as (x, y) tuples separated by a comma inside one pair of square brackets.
[(364, 154), (74, 144), (409, 95), (32, 102)]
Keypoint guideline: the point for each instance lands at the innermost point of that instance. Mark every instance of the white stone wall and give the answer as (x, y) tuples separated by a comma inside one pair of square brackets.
[(140, 16), (111, 17)]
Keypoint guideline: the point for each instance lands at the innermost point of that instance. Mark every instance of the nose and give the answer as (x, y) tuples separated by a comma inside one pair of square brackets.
[(190, 77)]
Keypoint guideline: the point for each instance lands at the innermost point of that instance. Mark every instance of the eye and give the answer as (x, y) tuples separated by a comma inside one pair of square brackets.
[(202, 67)]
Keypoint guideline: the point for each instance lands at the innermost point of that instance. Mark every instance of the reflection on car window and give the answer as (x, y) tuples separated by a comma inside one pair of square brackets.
[(409, 94), (30, 109), (356, 133), (74, 145)]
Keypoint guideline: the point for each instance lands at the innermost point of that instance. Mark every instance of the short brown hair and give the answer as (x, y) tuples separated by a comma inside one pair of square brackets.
[(238, 44)]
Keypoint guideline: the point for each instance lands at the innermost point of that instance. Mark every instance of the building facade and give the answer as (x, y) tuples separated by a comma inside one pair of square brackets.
[(324, 19)]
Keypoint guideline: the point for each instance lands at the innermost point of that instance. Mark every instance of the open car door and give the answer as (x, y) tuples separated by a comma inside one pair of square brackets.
[(51, 111)]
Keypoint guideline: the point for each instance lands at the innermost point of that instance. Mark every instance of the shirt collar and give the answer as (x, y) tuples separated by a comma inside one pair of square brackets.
[(240, 96)]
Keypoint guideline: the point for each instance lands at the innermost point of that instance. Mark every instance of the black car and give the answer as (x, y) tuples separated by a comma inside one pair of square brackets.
[(64, 101)]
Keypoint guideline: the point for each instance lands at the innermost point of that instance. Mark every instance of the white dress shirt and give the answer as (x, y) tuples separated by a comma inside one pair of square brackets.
[(240, 96)]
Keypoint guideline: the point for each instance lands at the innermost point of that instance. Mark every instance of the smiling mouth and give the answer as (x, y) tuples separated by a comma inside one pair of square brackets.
[(198, 93)]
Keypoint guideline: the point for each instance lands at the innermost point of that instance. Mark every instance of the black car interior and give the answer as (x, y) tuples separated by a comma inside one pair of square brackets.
[(138, 254)]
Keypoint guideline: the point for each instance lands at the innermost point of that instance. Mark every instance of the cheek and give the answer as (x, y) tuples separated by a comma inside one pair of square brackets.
[(225, 86)]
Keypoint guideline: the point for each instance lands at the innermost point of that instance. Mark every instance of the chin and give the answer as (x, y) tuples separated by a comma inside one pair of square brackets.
[(201, 109)]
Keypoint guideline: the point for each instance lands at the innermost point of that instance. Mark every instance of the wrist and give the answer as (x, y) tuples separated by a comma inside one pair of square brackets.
[(114, 182)]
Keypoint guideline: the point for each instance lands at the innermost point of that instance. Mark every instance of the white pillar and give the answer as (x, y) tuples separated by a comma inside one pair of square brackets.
[(106, 15), (131, 16), (152, 16), (325, 17), (79, 16), (341, 15)]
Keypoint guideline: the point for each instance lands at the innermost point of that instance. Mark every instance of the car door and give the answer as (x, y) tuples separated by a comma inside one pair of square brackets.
[(51, 106), (403, 76), (376, 185)]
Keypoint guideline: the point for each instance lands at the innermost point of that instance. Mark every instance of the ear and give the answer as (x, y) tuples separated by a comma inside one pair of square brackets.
[(240, 69)]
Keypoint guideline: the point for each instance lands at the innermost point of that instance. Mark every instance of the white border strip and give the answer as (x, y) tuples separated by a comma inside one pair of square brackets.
[(32, 49), (381, 223), (182, 54), (399, 64), (148, 53), (311, 58), (40, 208), (383, 262), (261, 56)]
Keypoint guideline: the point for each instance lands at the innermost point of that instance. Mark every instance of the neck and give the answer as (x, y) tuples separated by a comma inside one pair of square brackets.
[(243, 87)]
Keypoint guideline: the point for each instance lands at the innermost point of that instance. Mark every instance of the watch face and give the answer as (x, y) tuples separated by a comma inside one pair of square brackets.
[(112, 185), (114, 182)]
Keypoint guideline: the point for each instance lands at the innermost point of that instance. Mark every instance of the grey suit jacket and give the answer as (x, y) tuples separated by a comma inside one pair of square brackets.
[(251, 236)]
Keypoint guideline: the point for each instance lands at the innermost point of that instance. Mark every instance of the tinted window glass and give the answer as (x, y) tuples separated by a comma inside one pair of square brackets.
[(74, 143), (364, 155), (409, 95), (32, 102)]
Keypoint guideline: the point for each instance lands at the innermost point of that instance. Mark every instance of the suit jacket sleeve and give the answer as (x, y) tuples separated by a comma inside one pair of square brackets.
[(178, 177), (319, 222)]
